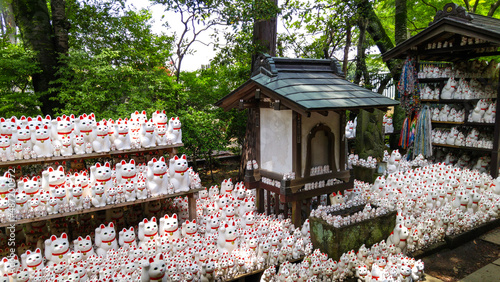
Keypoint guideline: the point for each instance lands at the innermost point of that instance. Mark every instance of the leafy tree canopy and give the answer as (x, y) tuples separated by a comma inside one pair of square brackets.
[(122, 66), (17, 65)]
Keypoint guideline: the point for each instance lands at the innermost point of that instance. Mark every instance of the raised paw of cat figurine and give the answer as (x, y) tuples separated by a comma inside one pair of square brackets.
[(179, 175)]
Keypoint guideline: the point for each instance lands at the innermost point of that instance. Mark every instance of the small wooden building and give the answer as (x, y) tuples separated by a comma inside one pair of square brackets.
[(300, 107), (456, 37)]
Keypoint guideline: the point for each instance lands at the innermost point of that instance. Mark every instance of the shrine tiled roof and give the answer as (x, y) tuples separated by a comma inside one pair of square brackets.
[(307, 85), (452, 24)]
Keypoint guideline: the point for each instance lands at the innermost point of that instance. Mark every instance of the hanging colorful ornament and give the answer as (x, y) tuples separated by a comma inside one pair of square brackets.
[(408, 88)]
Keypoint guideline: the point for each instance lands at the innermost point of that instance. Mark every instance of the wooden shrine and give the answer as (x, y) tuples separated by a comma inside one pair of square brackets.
[(456, 37), (300, 115)]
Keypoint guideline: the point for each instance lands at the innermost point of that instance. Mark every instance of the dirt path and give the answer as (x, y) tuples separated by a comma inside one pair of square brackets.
[(457, 263)]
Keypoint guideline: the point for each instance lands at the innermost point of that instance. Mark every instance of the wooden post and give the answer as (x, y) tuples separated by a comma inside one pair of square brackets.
[(191, 206), (285, 209), (276, 204), (296, 144), (268, 209), (343, 142), (297, 213), (495, 156), (260, 199)]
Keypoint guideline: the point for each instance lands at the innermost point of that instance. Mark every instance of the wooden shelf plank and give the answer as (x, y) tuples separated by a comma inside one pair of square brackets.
[(95, 209), (464, 123), (447, 122), (492, 124), (302, 195), (463, 147), (432, 80), (87, 156), (452, 101)]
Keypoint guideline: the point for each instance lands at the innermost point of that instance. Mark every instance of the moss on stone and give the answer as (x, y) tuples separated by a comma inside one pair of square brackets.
[(369, 135), (336, 241)]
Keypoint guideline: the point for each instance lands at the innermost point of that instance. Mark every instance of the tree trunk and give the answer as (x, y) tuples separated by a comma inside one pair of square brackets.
[(361, 70), (346, 47), (384, 43), (400, 20), (61, 25), (33, 20), (493, 8), (264, 36), (383, 84), (377, 33)]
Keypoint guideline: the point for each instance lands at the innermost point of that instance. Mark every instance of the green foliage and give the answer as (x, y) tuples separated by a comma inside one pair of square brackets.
[(115, 65), (110, 90), (110, 25), (315, 29), (203, 133), (17, 97), (223, 12), (421, 13), (201, 90)]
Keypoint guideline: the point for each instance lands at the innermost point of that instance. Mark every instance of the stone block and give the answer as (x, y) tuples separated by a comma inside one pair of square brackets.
[(336, 241)]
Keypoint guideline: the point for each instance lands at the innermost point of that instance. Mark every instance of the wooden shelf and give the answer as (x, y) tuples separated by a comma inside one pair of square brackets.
[(452, 101), (464, 123), (95, 209), (492, 124), (457, 101), (463, 147), (432, 80), (87, 156), (303, 194), (447, 122)]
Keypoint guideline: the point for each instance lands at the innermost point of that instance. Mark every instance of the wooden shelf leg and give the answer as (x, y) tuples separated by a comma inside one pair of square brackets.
[(268, 202), (260, 200), (276, 204), (297, 213), (191, 206), (285, 206)]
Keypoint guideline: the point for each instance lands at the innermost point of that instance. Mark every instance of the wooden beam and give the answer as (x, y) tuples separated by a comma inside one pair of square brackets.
[(271, 174), (343, 142), (344, 175), (284, 101), (297, 213), (302, 195), (108, 155), (276, 105), (231, 101), (191, 206), (260, 200), (296, 143), (97, 209), (257, 94)]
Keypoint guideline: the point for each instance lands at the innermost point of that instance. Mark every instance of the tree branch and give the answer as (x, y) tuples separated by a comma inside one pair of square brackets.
[(467, 5), (493, 8), (416, 28), (383, 83), (430, 5), (346, 48), (475, 6)]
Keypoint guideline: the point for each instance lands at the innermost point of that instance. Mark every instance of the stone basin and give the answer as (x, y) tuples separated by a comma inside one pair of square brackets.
[(336, 241)]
